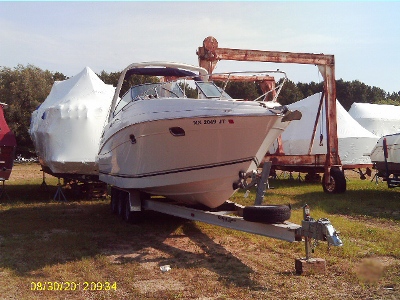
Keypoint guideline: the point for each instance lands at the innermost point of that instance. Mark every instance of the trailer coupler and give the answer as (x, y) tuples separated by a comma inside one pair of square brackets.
[(319, 230)]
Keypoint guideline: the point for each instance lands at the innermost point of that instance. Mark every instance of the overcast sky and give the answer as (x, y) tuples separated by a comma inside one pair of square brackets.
[(68, 36)]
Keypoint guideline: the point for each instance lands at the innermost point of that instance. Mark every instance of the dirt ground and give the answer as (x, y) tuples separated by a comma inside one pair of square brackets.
[(208, 263), (26, 171)]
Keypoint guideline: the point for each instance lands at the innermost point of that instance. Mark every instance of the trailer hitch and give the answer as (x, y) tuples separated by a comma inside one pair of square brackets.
[(319, 230)]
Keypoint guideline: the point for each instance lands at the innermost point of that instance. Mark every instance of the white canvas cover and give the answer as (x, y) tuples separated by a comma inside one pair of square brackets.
[(380, 119), (393, 150), (355, 142), (66, 127)]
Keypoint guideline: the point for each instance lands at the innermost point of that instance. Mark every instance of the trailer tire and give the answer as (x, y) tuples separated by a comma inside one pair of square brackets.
[(338, 182), (267, 213)]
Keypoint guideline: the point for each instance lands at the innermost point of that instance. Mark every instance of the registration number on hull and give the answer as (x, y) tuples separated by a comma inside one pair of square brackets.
[(213, 121)]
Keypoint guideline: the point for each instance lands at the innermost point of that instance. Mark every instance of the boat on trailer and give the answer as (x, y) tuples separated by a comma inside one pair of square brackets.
[(386, 159), (192, 149)]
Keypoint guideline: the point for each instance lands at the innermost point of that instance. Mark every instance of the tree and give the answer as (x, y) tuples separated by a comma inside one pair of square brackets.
[(23, 89), (308, 89), (57, 76), (355, 91), (290, 93), (242, 90), (109, 78), (113, 78)]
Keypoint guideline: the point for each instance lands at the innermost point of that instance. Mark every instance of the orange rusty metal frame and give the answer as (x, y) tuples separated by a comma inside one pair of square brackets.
[(210, 54)]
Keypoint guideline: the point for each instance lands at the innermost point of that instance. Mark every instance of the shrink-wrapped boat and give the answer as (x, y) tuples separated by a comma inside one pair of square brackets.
[(67, 126)]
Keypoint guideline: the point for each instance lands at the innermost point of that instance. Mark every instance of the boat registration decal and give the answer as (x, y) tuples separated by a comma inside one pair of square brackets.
[(212, 121)]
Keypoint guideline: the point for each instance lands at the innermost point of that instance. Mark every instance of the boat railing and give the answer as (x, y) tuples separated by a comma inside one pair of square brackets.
[(267, 81)]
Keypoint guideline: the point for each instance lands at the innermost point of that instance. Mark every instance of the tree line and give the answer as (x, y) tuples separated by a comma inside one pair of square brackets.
[(24, 88)]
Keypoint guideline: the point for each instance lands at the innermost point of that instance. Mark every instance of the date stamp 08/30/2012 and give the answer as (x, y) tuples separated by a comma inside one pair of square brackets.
[(73, 286)]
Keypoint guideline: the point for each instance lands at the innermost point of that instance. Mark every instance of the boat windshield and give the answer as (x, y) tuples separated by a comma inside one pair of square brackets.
[(156, 90), (150, 91), (172, 89), (210, 90)]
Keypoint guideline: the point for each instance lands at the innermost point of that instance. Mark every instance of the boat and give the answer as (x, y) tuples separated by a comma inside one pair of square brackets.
[(354, 140), (386, 158), (8, 144), (66, 127), (380, 119), (191, 149)]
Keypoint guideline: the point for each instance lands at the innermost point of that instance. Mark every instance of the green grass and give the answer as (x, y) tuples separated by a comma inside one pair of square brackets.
[(42, 240)]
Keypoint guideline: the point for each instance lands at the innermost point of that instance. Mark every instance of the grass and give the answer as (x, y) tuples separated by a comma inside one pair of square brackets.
[(80, 242)]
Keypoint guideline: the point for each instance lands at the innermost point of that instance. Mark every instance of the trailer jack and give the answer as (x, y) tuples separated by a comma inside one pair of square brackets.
[(319, 230)]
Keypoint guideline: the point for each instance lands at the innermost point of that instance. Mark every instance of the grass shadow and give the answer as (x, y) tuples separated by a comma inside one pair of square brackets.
[(43, 234), (377, 204), (361, 198), (34, 193)]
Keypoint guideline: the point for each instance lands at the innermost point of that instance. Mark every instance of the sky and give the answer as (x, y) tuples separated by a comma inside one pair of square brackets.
[(66, 37)]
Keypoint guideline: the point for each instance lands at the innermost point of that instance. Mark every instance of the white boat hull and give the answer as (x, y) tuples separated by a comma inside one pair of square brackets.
[(199, 167)]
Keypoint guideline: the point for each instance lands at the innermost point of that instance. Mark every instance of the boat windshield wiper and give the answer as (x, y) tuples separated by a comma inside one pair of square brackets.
[(169, 91)]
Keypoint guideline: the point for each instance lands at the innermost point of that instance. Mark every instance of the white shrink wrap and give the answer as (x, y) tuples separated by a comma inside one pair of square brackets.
[(67, 126), (355, 142)]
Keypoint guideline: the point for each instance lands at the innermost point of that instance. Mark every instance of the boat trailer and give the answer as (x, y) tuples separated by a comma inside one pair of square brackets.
[(130, 204)]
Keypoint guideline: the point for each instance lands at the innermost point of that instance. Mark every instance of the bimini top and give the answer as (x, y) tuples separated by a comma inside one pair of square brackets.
[(156, 68), (160, 72)]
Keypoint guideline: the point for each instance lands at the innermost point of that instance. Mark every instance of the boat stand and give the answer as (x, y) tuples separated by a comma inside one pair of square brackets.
[(59, 195), (44, 186), (3, 189), (263, 184)]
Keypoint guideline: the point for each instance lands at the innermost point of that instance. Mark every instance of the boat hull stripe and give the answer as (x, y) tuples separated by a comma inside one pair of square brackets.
[(195, 168)]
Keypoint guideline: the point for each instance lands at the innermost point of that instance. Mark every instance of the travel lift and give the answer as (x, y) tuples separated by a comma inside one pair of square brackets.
[(329, 164), (130, 204)]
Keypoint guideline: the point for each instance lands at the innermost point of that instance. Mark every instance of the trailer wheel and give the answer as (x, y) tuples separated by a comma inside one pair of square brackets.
[(337, 184), (114, 200), (267, 213)]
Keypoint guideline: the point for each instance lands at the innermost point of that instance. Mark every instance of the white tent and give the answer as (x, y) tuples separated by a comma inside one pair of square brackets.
[(380, 119), (355, 142), (66, 127)]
